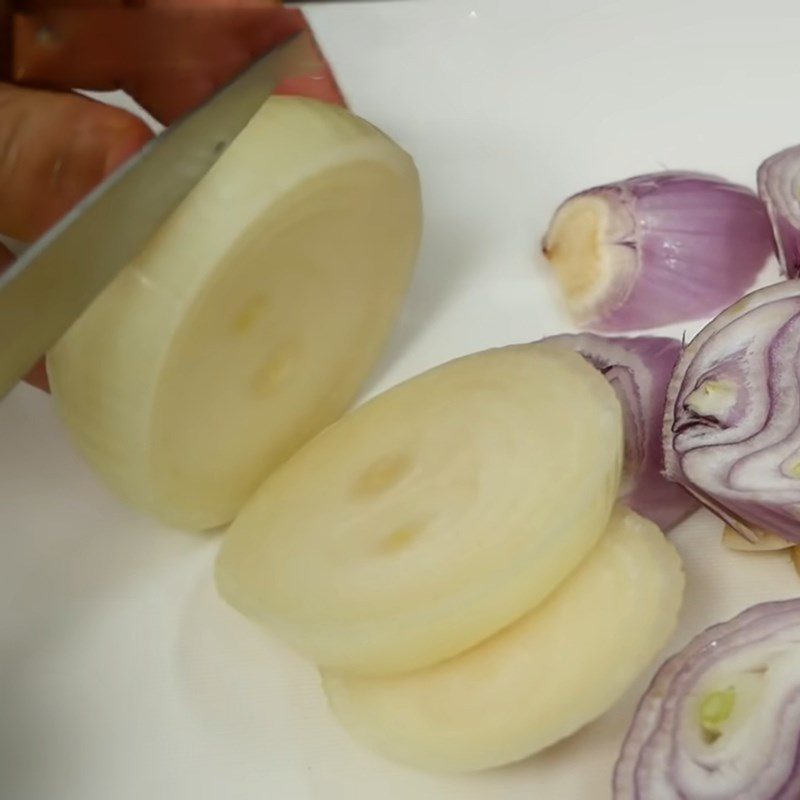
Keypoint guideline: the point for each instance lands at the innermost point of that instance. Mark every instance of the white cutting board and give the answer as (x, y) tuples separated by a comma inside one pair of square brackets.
[(122, 677)]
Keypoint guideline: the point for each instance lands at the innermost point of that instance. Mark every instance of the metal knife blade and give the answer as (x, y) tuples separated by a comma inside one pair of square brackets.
[(49, 286)]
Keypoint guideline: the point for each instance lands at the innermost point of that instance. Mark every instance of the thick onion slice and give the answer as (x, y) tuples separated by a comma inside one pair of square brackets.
[(537, 681), (721, 719), (250, 320), (639, 368), (656, 249), (433, 515), (732, 421), (779, 187)]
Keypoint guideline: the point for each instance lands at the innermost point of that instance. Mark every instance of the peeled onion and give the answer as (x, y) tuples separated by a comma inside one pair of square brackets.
[(434, 515), (250, 320), (537, 681)]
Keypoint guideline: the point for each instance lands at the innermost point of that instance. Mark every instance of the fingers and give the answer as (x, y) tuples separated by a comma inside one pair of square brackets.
[(215, 47), (169, 54), (38, 376), (54, 148), (320, 84)]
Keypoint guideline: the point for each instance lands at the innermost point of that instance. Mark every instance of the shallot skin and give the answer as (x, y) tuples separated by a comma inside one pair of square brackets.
[(638, 369), (657, 249)]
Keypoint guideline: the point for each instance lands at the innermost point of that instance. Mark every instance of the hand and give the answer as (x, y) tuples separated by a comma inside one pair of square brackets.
[(170, 55)]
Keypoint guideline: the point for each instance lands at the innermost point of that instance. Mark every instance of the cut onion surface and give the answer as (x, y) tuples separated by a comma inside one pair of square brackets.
[(537, 681), (721, 719), (432, 516), (250, 320), (731, 433)]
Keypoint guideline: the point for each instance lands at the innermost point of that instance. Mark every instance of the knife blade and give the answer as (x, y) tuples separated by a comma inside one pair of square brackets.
[(49, 286)]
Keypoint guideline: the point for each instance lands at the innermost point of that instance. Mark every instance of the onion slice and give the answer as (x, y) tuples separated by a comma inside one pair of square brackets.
[(251, 319), (434, 515), (656, 249), (526, 687), (638, 369), (721, 719), (779, 187), (732, 420)]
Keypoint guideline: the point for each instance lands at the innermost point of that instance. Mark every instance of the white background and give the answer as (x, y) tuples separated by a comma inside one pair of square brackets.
[(121, 675)]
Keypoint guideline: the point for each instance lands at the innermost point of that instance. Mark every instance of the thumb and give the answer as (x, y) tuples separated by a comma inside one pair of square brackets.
[(54, 148)]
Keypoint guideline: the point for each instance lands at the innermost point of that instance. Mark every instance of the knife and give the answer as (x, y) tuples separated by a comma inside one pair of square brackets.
[(49, 286)]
